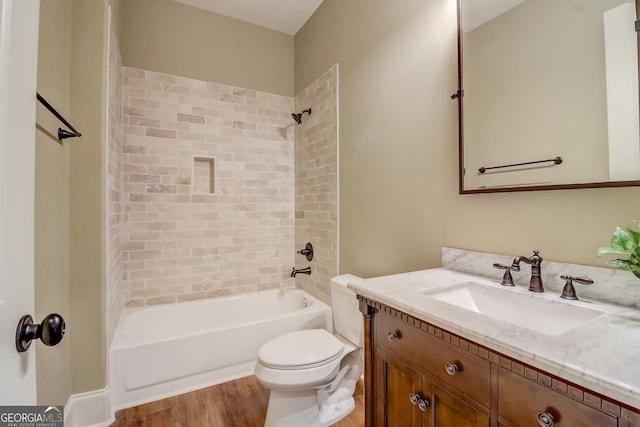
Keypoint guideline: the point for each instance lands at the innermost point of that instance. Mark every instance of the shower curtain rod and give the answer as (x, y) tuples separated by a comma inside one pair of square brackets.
[(62, 134)]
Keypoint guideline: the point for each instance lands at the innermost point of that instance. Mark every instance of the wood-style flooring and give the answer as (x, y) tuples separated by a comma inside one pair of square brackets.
[(239, 403)]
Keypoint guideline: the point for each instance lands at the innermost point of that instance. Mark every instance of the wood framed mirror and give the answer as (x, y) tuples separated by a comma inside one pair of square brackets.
[(548, 95)]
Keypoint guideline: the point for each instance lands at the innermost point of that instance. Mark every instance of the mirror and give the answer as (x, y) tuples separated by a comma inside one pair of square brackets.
[(549, 95)]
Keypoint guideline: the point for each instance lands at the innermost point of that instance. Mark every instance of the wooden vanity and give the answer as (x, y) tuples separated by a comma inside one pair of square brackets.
[(418, 374)]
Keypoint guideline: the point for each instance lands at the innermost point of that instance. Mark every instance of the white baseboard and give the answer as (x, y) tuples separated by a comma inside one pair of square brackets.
[(91, 409)]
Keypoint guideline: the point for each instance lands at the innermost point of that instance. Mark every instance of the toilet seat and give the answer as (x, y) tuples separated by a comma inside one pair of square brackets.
[(302, 349)]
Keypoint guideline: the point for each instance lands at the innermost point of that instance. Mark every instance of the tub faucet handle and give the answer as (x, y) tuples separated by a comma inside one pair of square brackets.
[(307, 251)]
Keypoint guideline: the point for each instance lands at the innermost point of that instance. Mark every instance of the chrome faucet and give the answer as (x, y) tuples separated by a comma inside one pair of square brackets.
[(295, 271), (535, 285)]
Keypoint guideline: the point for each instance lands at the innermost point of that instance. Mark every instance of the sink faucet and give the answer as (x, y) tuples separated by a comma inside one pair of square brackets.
[(306, 270), (569, 292), (535, 260)]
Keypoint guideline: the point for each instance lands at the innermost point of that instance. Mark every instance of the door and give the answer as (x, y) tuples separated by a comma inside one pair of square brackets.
[(18, 64)]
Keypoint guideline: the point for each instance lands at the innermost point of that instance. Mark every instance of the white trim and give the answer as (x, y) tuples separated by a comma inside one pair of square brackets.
[(91, 409)]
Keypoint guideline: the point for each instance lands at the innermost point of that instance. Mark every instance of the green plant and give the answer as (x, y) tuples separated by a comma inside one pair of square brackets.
[(624, 243)]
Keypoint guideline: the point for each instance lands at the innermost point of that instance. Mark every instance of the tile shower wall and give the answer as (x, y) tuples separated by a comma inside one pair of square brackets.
[(208, 189), (113, 236), (316, 182)]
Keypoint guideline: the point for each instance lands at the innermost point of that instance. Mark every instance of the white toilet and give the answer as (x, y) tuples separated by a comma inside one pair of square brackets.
[(312, 374)]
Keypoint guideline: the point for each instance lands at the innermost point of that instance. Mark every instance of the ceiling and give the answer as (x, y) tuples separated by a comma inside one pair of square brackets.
[(286, 16), (476, 13)]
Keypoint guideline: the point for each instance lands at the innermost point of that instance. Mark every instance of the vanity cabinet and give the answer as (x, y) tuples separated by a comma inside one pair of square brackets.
[(407, 398), (417, 374), (423, 381)]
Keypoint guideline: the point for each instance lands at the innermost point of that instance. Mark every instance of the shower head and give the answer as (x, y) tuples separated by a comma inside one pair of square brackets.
[(298, 116)]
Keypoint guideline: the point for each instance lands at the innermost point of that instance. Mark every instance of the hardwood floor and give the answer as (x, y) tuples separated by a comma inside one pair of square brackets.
[(239, 403)]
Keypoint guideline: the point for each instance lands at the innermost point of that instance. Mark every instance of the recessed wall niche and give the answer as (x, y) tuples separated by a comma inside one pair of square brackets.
[(204, 175)]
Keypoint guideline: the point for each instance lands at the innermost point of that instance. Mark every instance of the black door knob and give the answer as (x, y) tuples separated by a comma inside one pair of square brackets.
[(50, 331)]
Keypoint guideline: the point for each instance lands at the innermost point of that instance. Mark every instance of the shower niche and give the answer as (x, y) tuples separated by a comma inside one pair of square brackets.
[(204, 175)]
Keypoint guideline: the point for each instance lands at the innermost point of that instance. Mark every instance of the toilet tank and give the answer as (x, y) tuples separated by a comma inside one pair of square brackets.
[(347, 319)]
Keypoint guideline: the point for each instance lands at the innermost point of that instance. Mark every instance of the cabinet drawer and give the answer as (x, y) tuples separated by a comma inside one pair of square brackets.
[(520, 401), (432, 354)]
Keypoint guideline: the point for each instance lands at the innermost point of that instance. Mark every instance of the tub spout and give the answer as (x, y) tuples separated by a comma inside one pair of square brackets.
[(295, 271)]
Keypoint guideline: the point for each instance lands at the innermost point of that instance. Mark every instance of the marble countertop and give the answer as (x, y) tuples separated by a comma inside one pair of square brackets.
[(602, 354)]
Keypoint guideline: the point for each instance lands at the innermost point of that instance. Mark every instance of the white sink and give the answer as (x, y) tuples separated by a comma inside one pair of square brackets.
[(526, 310)]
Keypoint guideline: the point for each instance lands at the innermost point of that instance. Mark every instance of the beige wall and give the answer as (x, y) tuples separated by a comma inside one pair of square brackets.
[(86, 326), (52, 198), (70, 197), (397, 125), (173, 38), (398, 149)]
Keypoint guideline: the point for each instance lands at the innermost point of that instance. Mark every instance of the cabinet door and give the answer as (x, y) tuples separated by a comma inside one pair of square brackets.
[(448, 410), (395, 383), (629, 419), (521, 402)]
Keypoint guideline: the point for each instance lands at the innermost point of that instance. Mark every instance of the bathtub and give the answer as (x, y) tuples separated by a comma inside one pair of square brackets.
[(164, 350)]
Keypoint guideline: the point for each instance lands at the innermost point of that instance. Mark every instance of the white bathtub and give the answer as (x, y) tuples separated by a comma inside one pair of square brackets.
[(165, 350)]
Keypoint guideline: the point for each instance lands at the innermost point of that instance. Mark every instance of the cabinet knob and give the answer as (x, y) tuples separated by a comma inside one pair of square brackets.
[(414, 398), (392, 336), (417, 400), (545, 419), (451, 368)]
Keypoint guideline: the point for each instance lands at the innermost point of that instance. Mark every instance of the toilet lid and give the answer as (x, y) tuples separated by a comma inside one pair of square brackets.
[(306, 348)]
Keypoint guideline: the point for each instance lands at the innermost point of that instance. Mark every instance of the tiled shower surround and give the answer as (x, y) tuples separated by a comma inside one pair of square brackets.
[(316, 166), (208, 189)]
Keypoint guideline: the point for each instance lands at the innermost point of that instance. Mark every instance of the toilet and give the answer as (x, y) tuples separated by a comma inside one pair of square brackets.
[(312, 374)]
